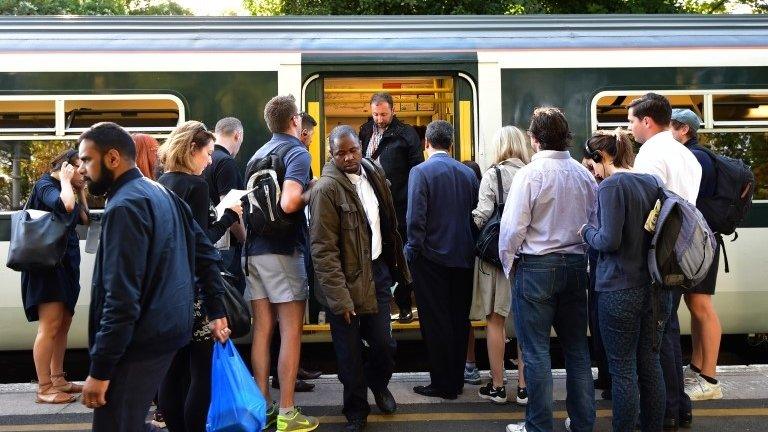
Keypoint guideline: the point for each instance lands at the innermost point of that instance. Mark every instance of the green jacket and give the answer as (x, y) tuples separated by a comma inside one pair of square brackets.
[(340, 240)]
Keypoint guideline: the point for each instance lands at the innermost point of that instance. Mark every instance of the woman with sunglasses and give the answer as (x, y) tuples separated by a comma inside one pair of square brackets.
[(625, 294)]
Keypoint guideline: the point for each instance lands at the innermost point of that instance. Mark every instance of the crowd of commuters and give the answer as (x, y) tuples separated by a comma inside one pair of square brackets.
[(572, 246)]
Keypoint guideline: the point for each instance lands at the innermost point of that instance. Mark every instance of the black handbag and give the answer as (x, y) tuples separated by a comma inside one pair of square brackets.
[(487, 246), (36, 243), (237, 309)]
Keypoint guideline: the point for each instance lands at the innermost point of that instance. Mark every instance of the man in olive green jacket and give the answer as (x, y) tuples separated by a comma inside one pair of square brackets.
[(358, 255)]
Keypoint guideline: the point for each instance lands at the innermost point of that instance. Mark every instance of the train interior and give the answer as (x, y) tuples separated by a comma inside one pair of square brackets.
[(418, 100)]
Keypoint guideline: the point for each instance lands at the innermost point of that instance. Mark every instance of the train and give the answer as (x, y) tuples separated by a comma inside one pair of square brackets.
[(59, 75)]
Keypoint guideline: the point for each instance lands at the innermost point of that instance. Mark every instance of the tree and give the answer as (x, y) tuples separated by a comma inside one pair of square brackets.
[(91, 7), (480, 7)]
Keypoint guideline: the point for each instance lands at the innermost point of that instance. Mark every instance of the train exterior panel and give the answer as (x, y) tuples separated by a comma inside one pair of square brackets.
[(477, 72)]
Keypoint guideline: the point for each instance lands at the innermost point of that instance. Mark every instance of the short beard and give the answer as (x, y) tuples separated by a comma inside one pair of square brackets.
[(102, 186)]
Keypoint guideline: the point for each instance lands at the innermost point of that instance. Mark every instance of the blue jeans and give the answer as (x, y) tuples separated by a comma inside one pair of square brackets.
[(551, 291), (627, 324)]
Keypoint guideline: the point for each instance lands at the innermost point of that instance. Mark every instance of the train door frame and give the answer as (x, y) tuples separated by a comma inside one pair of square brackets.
[(466, 110)]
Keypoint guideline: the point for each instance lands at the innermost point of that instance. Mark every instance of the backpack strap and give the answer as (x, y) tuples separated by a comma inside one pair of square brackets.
[(499, 188), (719, 239)]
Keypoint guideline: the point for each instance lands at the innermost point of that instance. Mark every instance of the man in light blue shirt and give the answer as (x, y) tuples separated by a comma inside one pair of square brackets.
[(542, 252)]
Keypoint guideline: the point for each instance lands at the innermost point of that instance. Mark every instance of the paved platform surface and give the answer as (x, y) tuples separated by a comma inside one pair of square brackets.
[(744, 408)]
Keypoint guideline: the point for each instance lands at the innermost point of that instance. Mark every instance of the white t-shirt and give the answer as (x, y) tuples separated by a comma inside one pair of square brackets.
[(673, 163)]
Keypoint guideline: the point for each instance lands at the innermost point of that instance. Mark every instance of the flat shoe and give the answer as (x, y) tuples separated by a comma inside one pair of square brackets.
[(52, 396)]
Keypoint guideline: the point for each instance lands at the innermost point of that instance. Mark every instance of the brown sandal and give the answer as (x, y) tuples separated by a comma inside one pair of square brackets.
[(67, 387), (46, 394)]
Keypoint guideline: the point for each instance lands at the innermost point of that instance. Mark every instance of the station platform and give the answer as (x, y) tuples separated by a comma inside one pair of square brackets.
[(744, 407)]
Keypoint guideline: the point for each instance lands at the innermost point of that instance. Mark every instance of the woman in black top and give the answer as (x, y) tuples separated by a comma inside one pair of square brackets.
[(186, 390), (50, 296)]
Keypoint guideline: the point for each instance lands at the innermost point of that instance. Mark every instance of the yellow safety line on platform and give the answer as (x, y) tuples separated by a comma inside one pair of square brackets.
[(419, 417)]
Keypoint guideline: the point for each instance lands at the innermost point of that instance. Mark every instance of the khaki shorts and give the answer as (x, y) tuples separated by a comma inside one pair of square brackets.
[(279, 278)]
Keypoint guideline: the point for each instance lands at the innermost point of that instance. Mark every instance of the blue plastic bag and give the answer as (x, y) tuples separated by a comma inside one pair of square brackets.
[(236, 403)]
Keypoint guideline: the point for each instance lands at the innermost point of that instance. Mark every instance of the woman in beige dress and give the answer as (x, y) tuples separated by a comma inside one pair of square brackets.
[(492, 297)]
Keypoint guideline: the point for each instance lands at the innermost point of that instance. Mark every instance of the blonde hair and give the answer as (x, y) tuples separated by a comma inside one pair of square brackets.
[(176, 152), (510, 142)]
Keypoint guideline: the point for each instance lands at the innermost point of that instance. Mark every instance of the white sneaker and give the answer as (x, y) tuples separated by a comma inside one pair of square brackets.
[(516, 427), (701, 389), (568, 424), (689, 376)]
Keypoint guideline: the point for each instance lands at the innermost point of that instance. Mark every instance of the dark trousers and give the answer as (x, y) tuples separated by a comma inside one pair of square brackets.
[(671, 357), (443, 297), (233, 263), (359, 371), (185, 393), (403, 290), (596, 339), (628, 327), (131, 389)]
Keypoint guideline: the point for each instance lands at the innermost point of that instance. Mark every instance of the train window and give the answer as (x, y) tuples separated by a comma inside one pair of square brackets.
[(611, 110), (27, 115), (740, 110), (734, 122), (147, 115), (34, 129)]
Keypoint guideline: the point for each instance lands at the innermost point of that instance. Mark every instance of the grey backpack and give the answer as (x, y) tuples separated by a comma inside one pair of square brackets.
[(682, 246)]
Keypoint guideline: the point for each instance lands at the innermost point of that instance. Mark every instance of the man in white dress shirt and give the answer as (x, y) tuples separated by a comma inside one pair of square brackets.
[(660, 154)]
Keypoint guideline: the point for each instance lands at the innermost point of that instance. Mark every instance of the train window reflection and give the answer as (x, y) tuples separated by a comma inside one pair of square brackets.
[(740, 109)]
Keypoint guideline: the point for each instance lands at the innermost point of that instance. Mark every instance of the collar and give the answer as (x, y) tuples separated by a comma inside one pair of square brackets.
[(354, 178), (691, 142), (288, 137), (551, 154), (515, 162), (124, 178), (661, 136), (440, 153), (222, 148)]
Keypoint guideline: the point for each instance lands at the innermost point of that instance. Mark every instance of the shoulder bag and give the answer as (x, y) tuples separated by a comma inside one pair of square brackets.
[(487, 246), (38, 240)]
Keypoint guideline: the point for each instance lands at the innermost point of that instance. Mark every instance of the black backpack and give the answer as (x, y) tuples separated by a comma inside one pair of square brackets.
[(734, 186), (262, 212), (487, 245)]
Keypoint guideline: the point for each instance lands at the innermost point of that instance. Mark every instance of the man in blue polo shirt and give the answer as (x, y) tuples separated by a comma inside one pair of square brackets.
[(699, 375), (276, 279)]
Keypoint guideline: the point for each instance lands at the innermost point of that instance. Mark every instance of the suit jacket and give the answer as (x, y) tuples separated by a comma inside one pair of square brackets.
[(442, 192)]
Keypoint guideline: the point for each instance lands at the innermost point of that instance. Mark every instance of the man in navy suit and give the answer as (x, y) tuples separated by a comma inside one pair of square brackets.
[(442, 193)]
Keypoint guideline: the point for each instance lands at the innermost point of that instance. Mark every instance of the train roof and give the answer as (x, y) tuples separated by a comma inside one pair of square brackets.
[(369, 34)]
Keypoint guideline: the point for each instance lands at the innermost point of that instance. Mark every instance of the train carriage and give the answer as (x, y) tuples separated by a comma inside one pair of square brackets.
[(58, 75)]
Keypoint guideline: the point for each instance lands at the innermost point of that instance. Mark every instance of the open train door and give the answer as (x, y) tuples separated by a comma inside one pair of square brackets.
[(338, 91), (418, 100)]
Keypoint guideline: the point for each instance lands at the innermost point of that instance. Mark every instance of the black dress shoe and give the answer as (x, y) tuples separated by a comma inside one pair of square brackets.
[(355, 425), (385, 401), (430, 391), (304, 374), (301, 386), (606, 394), (405, 317), (686, 420), (670, 424)]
